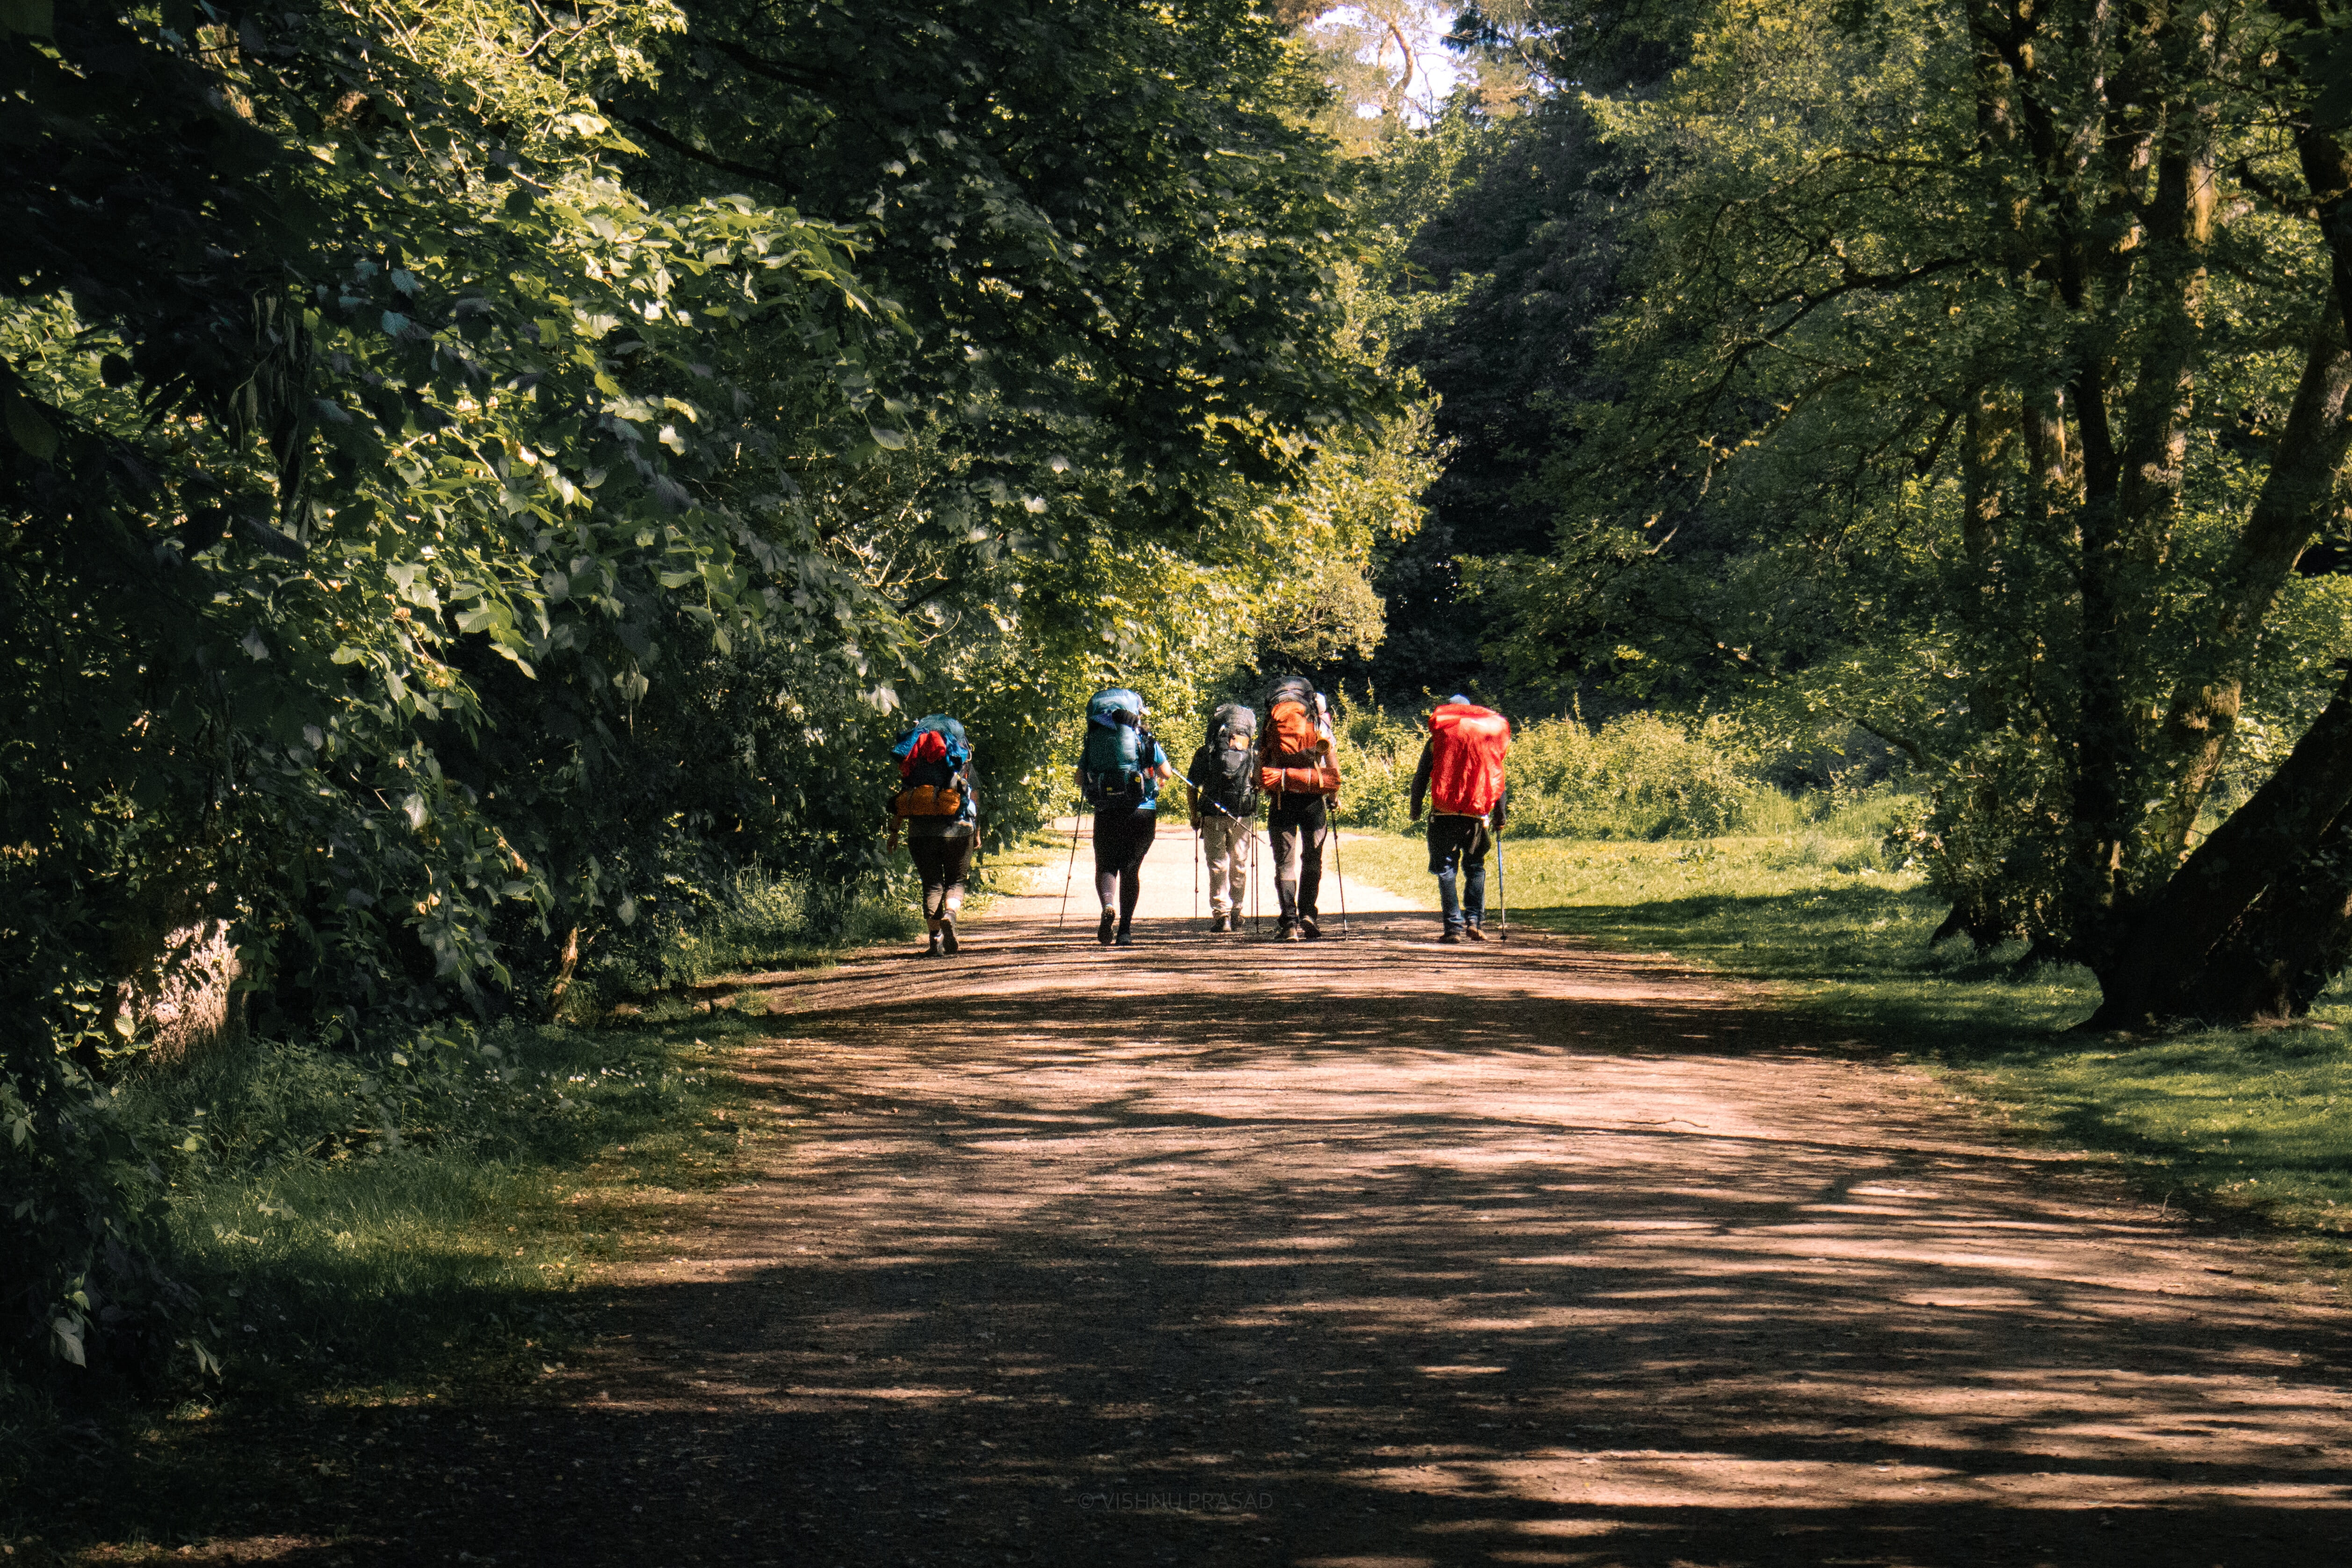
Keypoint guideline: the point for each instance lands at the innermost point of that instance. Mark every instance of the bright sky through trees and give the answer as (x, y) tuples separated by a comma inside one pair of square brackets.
[(1433, 71)]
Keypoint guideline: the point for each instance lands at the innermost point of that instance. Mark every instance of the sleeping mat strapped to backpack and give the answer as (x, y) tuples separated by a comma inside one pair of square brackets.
[(1467, 745), (1296, 755), (1117, 751)]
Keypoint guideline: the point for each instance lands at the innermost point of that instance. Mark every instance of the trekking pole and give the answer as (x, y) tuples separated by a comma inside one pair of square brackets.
[(1067, 873), (1257, 926), (1342, 876), (1502, 890)]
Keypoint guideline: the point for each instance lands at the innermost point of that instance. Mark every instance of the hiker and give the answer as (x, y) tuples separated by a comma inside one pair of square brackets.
[(1461, 772), (1223, 787), (1299, 772), (939, 805), (1120, 769)]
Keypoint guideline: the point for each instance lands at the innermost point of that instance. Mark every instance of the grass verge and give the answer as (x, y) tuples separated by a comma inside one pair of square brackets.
[(2252, 1124)]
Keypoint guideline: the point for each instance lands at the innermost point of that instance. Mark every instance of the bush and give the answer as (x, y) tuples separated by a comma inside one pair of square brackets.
[(1637, 776), (748, 920), (1378, 752), (1640, 775)]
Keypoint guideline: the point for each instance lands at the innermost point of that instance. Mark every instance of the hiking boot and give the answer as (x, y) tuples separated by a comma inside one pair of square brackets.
[(1286, 931), (947, 938), (1308, 928), (1126, 939), (1109, 925), (933, 950), (1472, 931), (1221, 923), (1451, 936)]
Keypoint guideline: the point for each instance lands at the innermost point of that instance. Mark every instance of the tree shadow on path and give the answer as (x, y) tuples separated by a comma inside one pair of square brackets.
[(1377, 1253)]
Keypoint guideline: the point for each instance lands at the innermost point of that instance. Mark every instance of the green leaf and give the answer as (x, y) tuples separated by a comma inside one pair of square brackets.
[(36, 434), (34, 18)]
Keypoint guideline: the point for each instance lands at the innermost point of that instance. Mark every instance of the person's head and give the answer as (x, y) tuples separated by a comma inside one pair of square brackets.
[(1458, 697)]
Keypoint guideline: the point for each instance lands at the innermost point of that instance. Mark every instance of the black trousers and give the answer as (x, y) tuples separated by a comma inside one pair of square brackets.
[(942, 863), (1122, 838), (1299, 825)]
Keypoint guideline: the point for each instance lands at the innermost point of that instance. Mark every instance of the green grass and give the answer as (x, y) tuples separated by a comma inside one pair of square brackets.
[(361, 1235), (401, 1227), (2252, 1124)]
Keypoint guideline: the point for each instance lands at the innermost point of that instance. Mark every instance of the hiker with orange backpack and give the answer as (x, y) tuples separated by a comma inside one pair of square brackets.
[(1121, 767), (1461, 772), (939, 805), (1299, 768)]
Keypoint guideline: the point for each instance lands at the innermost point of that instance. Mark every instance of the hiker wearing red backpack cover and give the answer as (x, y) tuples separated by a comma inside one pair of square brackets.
[(1461, 772)]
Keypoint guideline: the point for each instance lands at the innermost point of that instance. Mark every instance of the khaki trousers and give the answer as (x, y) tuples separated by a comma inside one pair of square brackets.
[(1227, 845)]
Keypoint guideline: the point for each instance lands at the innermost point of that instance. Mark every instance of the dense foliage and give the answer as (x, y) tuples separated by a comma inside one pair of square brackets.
[(1977, 375), (480, 479)]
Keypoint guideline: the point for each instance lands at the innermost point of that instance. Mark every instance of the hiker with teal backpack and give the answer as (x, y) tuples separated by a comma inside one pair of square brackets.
[(1120, 769), (937, 803), (1223, 784)]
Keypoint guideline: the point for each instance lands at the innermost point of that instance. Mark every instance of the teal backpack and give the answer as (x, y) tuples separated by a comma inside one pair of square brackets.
[(1117, 751)]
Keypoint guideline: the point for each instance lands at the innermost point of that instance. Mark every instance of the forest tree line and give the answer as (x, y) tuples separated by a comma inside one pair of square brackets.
[(482, 475)]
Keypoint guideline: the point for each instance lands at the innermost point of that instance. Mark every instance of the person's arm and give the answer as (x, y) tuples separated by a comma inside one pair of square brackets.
[(1421, 775), (1502, 809)]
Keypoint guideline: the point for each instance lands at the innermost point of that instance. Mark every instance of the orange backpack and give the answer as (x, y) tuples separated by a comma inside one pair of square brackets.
[(1294, 754), (1465, 775)]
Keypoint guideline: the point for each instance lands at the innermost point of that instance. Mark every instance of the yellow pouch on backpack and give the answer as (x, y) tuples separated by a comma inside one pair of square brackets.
[(927, 800)]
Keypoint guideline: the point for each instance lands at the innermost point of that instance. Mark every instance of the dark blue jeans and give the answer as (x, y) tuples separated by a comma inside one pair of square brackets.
[(1457, 854)]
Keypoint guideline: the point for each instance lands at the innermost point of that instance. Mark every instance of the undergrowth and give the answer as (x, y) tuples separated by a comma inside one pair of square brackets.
[(387, 1225), (1640, 776)]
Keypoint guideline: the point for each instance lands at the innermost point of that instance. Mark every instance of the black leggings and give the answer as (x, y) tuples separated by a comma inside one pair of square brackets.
[(942, 863), (1122, 838)]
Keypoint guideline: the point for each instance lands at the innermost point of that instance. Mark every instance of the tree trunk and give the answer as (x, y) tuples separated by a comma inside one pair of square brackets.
[(571, 961), (2165, 964), (2290, 944), (2290, 510)]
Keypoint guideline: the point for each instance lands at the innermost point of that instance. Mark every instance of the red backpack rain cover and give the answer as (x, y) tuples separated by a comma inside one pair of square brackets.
[(1466, 776)]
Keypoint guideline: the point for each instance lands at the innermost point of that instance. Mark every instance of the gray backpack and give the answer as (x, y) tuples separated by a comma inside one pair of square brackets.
[(1233, 786)]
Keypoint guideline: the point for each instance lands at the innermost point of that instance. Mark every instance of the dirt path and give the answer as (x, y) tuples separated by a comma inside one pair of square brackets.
[(1377, 1252)]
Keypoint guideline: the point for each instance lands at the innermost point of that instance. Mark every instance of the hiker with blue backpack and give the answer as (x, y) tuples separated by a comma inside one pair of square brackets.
[(1120, 769), (1223, 788), (937, 803)]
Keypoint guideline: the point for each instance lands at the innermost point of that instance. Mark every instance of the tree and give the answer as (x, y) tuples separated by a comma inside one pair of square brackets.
[(450, 521), (1986, 382)]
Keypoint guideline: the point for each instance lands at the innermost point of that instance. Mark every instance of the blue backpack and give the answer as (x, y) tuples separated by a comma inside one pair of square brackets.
[(1117, 751), (931, 759), (922, 762)]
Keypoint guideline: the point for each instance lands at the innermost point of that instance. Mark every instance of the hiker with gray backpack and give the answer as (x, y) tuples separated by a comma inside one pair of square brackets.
[(1224, 787), (1120, 769), (1299, 768), (937, 803)]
